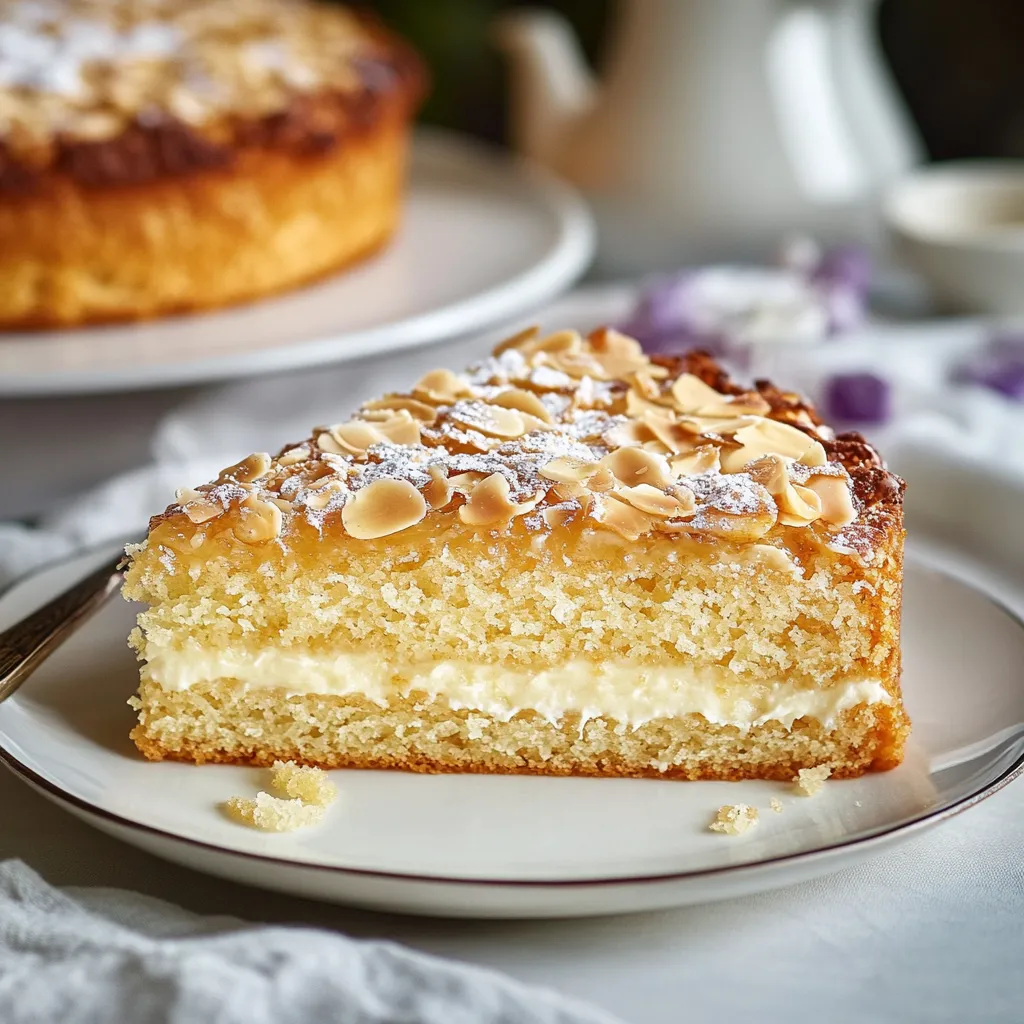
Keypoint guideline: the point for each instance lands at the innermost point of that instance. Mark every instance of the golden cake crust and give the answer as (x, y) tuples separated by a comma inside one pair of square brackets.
[(159, 215)]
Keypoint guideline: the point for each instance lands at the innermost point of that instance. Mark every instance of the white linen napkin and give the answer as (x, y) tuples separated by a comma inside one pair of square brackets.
[(93, 956)]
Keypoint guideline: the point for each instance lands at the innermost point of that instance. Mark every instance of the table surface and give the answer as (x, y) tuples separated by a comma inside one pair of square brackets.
[(931, 931)]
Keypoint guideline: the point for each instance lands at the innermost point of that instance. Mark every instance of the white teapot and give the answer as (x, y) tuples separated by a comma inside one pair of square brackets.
[(720, 126)]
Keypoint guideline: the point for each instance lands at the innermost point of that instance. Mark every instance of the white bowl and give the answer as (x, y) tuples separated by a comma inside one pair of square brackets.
[(961, 225)]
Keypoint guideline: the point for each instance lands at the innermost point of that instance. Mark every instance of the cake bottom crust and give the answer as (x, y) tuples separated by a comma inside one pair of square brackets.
[(221, 722)]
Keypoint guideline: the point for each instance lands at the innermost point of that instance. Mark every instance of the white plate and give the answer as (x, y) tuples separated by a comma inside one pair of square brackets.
[(483, 238), (508, 846)]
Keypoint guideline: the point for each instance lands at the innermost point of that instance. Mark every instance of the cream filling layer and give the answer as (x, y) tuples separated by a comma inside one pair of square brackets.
[(628, 693)]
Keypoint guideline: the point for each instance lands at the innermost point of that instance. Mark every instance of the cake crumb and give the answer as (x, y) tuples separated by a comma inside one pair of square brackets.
[(734, 819), (775, 804), (810, 780), (273, 814), (310, 785), (307, 793)]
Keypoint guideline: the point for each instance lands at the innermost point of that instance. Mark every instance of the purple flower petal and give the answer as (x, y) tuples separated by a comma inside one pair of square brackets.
[(999, 366), (857, 398)]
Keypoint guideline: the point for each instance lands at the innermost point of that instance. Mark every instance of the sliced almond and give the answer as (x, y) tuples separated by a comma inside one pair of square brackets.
[(519, 341), (465, 482), (417, 409), (798, 506), (251, 468), (835, 497), (703, 459), (202, 511), (439, 490), (568, 470), (772, 557), (293, 456), (491, 420), (383, 508), (560, 342), (631, 432), (637, 466), (620, 516), (326, 443), (559, 515), (654, 501), (258, 521), (672, 434), (691, 394), (490, 503), (619, 354), (769, 437), (742, 529), (320, 496), (603, 480), (523, 401), (638, 405), (442, 386)]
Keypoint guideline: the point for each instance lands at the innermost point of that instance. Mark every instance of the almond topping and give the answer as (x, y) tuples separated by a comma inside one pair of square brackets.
[(623, 518), (656, 502), (637, 405), (637, 466), (568, 470), (439, 490), (520, 340), (703, 459), (836, 500), (384, 507), (671, 434), (326, 443), (739, 528), (772, 557), (490, 420), (691, 394), (769, 437), (201, 511), (443, 386), (619, 354), (465, 482), (524, 401), (417, 409), (293, 455), (559, 515), (319, 497), (490, 503), (258, 521), (798, 506), (251, 468)]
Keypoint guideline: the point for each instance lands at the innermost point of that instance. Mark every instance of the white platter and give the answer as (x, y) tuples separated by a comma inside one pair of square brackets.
[(483, 238), (507, 846)]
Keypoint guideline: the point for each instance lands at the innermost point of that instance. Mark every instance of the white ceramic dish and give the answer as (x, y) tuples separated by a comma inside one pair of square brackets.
[(507, 846), (483, 238), (962, 226)]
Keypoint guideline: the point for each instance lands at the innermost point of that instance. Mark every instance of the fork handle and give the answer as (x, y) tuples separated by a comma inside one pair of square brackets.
[(27, 644)]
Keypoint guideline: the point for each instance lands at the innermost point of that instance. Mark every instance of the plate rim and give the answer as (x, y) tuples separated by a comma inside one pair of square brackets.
[(867, 842), (564, 261)]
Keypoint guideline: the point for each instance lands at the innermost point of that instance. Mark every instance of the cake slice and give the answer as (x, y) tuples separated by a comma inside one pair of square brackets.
[(570, 559)]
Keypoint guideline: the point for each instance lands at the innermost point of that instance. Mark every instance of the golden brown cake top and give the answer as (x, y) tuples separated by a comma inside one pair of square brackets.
[(195, 77), (563, 432)]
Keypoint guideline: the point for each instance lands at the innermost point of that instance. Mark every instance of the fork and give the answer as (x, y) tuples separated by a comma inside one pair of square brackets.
[(28, 643)]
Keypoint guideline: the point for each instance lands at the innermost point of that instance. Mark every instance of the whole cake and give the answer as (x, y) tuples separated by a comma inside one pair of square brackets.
[(570, 559), (168, 155)]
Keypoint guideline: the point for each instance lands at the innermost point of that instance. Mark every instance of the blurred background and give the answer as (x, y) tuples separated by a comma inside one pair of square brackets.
[(957, 64)]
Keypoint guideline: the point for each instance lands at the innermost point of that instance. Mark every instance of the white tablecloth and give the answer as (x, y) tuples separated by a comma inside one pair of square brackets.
[(931, 932)]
